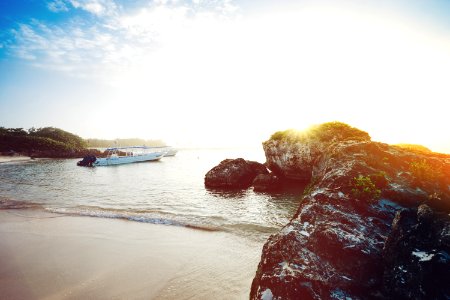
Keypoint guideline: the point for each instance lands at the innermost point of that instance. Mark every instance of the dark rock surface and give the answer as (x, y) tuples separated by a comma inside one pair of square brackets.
[(266, 183), (417, 255), (333, 246), (234, 173)]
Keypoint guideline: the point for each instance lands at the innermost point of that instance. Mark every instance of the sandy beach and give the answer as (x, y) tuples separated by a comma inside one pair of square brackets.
[(6, 159), (51, 256)]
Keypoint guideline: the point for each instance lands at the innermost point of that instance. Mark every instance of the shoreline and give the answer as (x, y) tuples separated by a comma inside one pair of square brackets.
[(51, 256), (9, 159)]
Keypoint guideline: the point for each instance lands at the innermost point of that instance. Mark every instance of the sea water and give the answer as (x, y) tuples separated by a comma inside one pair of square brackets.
[(170, 191)]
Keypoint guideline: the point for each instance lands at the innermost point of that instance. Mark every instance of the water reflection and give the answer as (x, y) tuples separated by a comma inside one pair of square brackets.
[(227, 193)]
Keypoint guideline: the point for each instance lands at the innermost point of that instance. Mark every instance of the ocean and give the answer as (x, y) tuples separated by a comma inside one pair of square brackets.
[(170, 192)]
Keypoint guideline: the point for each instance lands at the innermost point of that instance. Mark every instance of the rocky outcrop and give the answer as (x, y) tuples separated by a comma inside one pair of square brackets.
[(417, 255), (334, 246), (234, 173), (293, 155), (266, 183), (292, 161)]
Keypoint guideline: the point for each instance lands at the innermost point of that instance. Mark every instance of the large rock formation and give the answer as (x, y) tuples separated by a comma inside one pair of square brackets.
[(417, 255), (333, 246), (234, 173), (294, 155)]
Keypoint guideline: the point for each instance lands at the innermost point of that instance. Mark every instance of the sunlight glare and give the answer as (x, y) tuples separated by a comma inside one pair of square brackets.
[(289, 70)]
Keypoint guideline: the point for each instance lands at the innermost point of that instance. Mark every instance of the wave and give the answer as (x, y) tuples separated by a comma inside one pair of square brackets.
[(213, 223), (142, 216), (249, 227)]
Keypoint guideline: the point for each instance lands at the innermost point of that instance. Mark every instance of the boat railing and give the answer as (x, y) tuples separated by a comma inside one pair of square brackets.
[(135, 151)]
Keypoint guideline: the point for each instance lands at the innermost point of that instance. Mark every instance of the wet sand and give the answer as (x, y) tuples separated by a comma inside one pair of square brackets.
[(49, 256)]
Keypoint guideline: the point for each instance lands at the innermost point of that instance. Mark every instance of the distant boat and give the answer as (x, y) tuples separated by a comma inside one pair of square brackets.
[(124, 155), (171, 151)]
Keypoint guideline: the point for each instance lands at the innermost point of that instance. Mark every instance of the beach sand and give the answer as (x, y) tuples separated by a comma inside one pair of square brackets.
[(5, 159), (51, 256)]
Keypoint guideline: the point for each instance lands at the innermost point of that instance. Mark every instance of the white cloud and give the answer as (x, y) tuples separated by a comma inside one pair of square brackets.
[(114, 43), (57, 6), (96, 7)]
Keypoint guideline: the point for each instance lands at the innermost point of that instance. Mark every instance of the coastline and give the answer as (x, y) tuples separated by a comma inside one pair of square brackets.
[(53, 256), (8, 159)]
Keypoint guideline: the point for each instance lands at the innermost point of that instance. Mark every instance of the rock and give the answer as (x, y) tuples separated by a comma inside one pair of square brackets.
[(293, 155), (425, 214), (333, 246), (266, 182), (417, 255), (234, 173), (291, 161), (322, 252)]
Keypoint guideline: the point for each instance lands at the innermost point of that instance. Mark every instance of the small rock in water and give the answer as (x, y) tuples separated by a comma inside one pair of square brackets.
[(266, 182), (234, 173)]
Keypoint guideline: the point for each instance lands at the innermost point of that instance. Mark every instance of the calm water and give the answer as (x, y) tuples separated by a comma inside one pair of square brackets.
[(170, 191)]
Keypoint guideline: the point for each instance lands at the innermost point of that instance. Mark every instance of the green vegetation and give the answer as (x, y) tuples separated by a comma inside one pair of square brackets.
[(364, 189), (99, 143), (423, 171), (69, 139), (291, 135), (55, 142), (41, 139), (331, 131), (379, 179), (432, 178), (414, 147)]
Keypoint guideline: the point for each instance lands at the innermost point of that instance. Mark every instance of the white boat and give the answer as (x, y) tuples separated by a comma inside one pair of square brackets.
[(124, 155), (171, 151)]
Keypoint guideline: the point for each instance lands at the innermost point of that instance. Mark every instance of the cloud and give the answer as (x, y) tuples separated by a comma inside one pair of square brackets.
[(205, 47), (96, 7), (57, 6), (113, 40)]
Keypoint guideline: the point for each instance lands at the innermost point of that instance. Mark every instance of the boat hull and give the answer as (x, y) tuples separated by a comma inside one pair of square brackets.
[(119, 160)]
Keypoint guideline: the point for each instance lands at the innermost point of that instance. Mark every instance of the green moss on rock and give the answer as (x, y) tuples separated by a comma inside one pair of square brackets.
[(331, 131)]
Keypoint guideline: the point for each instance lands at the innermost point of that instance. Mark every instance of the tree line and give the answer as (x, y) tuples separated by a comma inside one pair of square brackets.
[(39, 139), (100, 143), (55, 142)]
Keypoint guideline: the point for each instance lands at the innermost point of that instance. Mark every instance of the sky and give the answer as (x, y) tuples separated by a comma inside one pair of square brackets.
[(226, 73)]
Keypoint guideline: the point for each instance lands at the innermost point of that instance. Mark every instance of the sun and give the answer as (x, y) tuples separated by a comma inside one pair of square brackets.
[(238, 80)]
